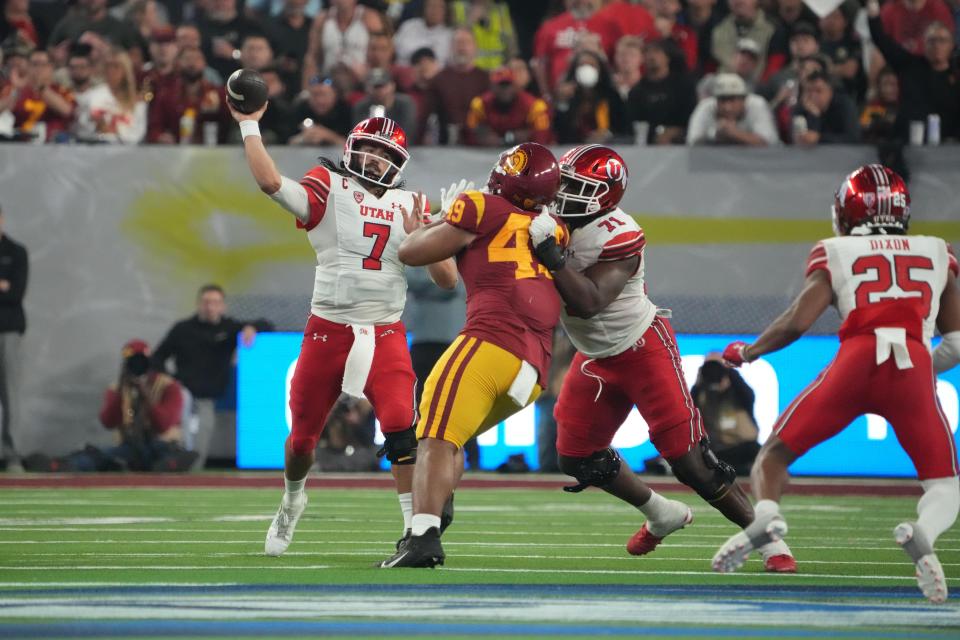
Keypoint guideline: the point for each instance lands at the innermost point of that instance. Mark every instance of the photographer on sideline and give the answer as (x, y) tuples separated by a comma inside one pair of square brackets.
[(725, 401)]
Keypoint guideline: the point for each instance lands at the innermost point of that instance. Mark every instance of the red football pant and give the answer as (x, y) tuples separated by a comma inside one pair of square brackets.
[(319, 374), (853, 384), (647, 375)]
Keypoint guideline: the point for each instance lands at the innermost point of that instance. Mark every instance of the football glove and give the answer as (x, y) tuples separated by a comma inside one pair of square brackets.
[(733, 354), (448, 196)]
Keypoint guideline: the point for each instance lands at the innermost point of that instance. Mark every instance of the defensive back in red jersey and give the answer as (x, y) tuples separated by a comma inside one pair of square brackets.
[(511, 299)]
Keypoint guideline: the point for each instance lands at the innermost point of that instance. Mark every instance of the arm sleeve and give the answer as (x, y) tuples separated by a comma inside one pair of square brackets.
[(817, 260), (623, 246), (895, 55), (167, 412), (110, 409), (952, 264), (164, 350), (317, 185), (293, 197)]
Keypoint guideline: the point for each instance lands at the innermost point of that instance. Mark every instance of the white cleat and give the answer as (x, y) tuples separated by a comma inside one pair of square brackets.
[(758, 533), (280, 533), (930, 576)]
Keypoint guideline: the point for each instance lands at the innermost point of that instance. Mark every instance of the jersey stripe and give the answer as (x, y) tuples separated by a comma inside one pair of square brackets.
[(455, 388), (625, 245), (817, 259), (479, 202)]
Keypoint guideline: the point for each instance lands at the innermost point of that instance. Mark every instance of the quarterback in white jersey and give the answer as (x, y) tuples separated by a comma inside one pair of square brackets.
[(355, 216), (892, 291), (626, 355)]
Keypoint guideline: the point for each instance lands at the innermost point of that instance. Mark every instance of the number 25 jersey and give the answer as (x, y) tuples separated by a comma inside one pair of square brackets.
[(511, 298), (866, 270)]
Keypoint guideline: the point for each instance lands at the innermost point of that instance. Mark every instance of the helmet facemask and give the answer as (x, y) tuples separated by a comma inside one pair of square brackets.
[(356, 161), (578, 196)]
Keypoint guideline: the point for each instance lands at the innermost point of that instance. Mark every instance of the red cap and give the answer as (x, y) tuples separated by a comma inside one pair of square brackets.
[(163, 33), (503, 74), (135, 346)]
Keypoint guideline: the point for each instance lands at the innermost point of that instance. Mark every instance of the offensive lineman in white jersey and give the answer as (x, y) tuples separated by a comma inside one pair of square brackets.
[(626, 355), (892, 291), (355, 216)]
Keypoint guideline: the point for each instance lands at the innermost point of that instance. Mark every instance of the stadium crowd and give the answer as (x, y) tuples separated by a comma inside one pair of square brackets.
[(485, 72)]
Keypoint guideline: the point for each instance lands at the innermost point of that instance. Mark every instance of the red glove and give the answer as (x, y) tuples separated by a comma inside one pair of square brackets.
[(733, 354)]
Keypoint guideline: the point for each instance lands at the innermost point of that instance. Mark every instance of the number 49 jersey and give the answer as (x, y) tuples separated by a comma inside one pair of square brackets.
[(359, 278), (865, 270)]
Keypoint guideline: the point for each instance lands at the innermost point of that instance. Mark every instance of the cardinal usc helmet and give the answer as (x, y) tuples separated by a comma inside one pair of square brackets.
[(593, 179), (527, 175), (379, 132), (871, 198)]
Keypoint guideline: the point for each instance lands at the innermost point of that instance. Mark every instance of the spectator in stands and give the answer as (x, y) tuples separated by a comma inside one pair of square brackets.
[(340, 35), (522, 77), (745, 65), (840, 42), (560, 37), (906, 21), (732, 116), (627, 65), (275, 8), (347, 83), (505, 116), (92, 15), (188, 37), (783, 85), (112, 111), (17, 21), (430, 30), (14, 266), (667, 15), (42, 109), (424, 66), (931, 81), (492, 28), (161, 72), (347, 438), (290, 31), (278, 123), (702, 16), (190, 110), (325, 118), (630, 18), (790, 13), (224, 29), (202, 348), (143, 16), (746, 20), (455, 86), (824, 114), (663, 99), (80, 71), (880, 119), (588, 107), (381, 54), (383, 99), (725, 402), (256, 52)]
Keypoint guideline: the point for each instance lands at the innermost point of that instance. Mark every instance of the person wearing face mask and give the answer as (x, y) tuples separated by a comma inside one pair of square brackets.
[(588, 105), (187, 109), (559, 38)]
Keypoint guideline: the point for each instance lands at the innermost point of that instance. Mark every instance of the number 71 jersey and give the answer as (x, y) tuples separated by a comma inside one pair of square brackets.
[(865, 270)]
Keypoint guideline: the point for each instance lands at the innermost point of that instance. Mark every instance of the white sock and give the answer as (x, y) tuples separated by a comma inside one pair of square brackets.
[(938, 507), (294, 488), (406, 507), (423, 521), (656, 508), (766, 508), (778, 548)]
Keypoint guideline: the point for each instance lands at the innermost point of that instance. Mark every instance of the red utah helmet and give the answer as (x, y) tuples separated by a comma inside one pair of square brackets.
[(872, 197), (593, 179), (527, 175), (381, 132)]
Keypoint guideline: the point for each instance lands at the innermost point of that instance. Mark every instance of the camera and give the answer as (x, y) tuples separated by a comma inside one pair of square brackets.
[(136, 365)]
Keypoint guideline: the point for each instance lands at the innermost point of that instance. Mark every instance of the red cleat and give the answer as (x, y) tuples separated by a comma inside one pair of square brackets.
[(782, 563), (643, 542)]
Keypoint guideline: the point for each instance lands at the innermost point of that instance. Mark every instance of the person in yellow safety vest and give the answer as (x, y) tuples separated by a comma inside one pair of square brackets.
[(492, 27)]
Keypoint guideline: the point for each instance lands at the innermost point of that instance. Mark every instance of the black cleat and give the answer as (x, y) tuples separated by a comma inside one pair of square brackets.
[(406, 534), (417, 551), (446, 514)]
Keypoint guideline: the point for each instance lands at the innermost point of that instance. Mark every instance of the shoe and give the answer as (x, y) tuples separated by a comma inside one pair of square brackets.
[(446, 514), (406, 534), (930, 576), (780, 563), (643, 542), (280, 533), (736, 550), (417, 551)]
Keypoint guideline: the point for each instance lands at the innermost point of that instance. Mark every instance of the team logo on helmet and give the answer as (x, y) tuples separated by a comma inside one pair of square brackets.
[(869, 200), (615, 170), (515, 163), (358, 196)]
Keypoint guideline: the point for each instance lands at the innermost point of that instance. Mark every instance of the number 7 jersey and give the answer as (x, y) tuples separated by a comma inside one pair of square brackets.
[(865, 270), (511, 298)]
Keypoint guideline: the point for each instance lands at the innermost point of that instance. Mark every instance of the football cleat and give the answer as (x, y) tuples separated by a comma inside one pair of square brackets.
[(736, 550), (280, 533), (417, 552), (446, 514), (930, 576), (643, 542), (780, 563)]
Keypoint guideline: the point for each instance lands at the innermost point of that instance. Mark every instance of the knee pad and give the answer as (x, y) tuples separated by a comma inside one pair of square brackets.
[(303, 445), (400, 447), (711, 483), (597, 470)]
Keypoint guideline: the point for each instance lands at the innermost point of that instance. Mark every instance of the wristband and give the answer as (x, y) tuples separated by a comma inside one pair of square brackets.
[(249, 128)]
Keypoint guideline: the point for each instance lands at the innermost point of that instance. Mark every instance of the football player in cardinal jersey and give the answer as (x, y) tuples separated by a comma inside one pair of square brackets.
[(499, 362), (626, 356), (892, 291), (355, 215)]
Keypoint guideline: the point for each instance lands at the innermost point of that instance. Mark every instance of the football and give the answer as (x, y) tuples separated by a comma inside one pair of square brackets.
[(246, 90)]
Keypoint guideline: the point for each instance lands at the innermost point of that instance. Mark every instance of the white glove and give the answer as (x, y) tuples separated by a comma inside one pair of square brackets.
[(543, 226), (449, 196)]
